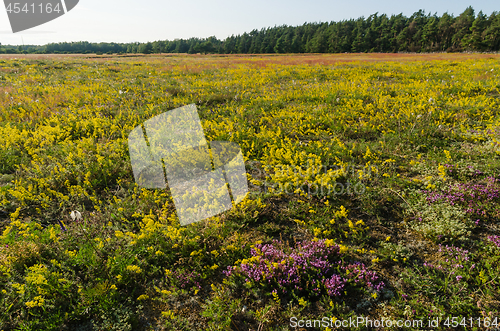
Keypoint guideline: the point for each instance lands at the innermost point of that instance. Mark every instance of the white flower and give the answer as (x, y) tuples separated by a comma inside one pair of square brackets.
[(76, 215)]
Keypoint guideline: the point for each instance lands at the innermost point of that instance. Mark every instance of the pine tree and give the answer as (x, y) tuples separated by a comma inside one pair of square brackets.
[(429, 34), (462, 26), (474, 41), (445, 31), (492, 33)]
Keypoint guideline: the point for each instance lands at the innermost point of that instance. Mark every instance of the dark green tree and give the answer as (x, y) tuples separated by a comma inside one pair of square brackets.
[(474, 41), (445, 31), (146, 48), (492, 33), (462, 26), (430, 35)]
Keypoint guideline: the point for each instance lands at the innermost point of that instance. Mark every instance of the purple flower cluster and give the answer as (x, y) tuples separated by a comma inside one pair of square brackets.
[(359, 274), (313, 267), (495, 240), (334, 285), (477, 199), (453, 261)]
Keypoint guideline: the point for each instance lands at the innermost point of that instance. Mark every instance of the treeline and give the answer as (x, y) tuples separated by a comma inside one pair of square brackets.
[(378, 33)]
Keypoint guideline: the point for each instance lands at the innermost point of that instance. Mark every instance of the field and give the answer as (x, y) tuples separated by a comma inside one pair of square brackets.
[(374, 186)]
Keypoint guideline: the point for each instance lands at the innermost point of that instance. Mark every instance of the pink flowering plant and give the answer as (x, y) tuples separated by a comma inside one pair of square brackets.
[(454, 265), (478, 200), (310, 269), (495, 240)]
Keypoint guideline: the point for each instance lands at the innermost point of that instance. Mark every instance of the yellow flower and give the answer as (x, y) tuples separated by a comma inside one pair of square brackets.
[(168, 314), (343, 249), (448, 155), (329, 242), (276, 297), (134, 268), (36, 302), (53, 236)]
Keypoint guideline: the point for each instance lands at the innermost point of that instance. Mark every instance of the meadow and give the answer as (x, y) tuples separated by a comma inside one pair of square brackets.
[(374, 190)]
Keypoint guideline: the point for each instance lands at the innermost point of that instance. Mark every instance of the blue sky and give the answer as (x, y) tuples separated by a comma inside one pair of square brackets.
[(149, 20)]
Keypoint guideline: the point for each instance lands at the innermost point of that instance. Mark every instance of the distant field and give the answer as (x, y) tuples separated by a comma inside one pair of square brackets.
[(374, 194), (274, 58)]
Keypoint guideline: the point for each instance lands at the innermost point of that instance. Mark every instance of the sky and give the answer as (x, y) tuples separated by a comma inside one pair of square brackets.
[(149, 20)]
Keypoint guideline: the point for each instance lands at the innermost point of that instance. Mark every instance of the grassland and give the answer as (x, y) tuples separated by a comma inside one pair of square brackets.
[(374, 192)]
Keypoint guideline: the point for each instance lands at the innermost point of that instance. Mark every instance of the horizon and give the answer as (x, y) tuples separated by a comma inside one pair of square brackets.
[(111, 23)]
